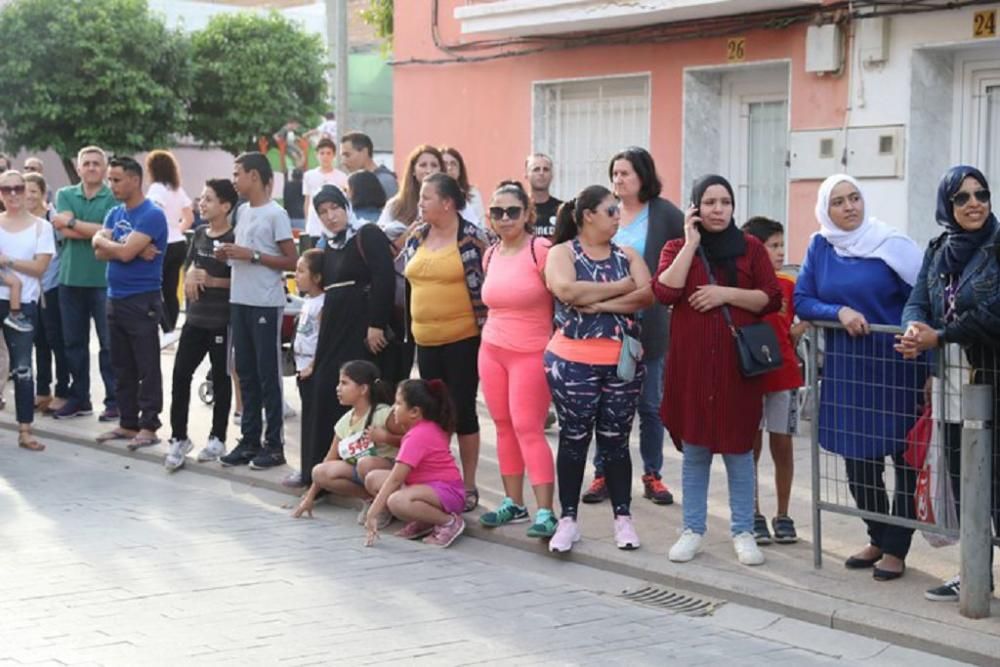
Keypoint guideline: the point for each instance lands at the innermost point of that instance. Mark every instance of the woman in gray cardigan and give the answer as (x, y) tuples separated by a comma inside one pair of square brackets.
[(648, 221)]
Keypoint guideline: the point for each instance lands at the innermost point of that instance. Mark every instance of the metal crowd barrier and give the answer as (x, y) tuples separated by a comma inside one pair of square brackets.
[(865, 400)]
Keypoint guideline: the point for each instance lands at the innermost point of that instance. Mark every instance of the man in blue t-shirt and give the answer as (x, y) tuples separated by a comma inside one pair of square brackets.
[(132, 243)]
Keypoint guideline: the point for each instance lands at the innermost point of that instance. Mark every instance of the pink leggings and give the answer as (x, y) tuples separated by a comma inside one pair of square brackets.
[(517, 395)]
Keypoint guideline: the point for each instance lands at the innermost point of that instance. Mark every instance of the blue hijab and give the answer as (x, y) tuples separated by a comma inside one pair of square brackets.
[(959, 244)]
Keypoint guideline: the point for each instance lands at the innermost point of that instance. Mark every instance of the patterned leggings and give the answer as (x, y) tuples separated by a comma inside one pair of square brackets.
[(586, 396)]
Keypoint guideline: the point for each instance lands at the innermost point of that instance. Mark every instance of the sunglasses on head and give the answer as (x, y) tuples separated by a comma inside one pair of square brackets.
[(512, 212), (12, 189), (963, 198)]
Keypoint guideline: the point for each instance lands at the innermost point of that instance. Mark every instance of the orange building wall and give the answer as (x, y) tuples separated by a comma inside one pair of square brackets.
[(484, 109)]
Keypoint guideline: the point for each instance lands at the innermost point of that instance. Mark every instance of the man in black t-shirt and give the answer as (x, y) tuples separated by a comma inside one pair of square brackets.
[(538, 171)]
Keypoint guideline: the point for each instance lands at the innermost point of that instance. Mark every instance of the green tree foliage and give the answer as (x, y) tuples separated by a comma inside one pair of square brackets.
[(78, 72), (378, 14), (253, 73)]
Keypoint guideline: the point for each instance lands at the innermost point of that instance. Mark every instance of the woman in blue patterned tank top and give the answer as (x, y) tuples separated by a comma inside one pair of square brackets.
[(599, 289)]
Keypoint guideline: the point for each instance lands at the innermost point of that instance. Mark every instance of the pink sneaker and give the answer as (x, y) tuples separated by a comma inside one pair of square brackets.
[(444, 535), (625, 535), (414, 530), (566, 535)]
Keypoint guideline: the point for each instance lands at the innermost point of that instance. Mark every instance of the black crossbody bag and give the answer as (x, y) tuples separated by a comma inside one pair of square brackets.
[(757, 348)]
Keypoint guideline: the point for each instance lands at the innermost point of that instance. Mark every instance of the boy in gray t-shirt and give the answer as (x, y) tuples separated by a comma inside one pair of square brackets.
[(262, 252)]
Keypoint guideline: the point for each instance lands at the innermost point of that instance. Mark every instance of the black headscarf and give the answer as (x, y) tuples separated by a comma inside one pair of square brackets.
[(959, 244), (721, 248)]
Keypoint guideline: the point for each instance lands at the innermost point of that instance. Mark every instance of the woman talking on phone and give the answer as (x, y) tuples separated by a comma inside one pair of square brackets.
[(709, 407)]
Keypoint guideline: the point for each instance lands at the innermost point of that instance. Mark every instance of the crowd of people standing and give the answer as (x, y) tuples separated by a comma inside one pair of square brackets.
[(614, 303)]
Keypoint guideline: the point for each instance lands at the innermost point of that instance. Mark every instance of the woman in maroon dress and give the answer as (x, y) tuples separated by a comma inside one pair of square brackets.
[(707, 403)]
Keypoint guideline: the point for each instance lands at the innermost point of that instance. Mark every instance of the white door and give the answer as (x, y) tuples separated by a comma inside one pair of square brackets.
[(764, 170), (582, 123)]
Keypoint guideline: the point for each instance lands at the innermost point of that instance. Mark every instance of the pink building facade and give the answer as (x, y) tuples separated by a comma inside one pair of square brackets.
[(774, 94)]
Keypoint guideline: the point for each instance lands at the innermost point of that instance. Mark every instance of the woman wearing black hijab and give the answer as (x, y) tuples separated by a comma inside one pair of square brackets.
[(360, 281), (708, 405), (955, 305)]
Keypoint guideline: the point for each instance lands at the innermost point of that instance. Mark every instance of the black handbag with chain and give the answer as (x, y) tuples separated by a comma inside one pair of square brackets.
[(757, 348)]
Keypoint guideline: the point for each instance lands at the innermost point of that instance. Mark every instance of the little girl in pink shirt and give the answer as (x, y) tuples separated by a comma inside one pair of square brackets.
[(424, 487)]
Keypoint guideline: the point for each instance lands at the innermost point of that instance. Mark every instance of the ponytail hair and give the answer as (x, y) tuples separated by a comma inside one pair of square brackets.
[(569, 219), (366, 374), (433, 399)]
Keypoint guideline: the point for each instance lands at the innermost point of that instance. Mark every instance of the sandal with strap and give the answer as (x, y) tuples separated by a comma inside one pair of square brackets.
[(116, 434), (471, 500), (141, 441), (28, 441)]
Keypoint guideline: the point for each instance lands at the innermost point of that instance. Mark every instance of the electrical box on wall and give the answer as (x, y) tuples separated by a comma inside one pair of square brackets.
[(823, 48), (873, 40), (814, 154), (875, 152), (870, 152)]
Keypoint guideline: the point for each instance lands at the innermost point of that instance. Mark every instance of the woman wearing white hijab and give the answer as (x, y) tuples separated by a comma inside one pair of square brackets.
[(860, 271), (360, 283)]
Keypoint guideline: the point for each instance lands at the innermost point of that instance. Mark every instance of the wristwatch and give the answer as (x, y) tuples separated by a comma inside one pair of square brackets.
[(71, 223), (255, 258)]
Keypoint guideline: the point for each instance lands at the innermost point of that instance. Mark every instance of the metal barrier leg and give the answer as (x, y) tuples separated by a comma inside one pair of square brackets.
[(977, 416), (814, 447)]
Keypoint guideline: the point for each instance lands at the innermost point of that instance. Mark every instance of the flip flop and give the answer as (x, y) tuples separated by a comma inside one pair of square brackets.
[(115, 434), (141, 441)]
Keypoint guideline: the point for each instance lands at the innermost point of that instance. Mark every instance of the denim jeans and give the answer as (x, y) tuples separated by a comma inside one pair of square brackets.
[(19, 346), (78, 305), (256, 333), (650, 425), (49, 346), (697, 469)]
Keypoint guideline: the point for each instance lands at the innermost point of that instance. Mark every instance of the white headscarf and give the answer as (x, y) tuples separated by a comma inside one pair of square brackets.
[(871, 239)]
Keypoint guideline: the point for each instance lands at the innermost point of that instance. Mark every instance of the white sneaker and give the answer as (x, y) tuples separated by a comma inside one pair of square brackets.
[(686, 547), (567, 534), (212, 451), (176, 451), (747, 550)]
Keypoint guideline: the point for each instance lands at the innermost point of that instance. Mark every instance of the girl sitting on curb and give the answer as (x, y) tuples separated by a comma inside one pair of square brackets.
[(366, 438), (424, 486)]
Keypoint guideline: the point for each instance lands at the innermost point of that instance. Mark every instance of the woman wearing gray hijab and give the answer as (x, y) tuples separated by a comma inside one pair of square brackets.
[(359, 281)]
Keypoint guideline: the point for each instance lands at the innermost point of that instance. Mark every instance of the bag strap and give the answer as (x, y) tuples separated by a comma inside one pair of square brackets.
[(488, 257), (711, 278)]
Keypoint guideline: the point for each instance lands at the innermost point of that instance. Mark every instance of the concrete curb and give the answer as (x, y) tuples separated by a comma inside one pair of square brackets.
[(889, 625)]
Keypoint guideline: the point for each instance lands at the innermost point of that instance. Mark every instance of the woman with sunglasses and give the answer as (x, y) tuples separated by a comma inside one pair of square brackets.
[(518, 327), (592, 359), (955, 305), (27, 244), (709, 408), (859, 271)]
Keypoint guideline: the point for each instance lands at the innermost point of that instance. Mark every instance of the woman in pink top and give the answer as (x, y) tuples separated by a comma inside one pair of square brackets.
[(518, 327), (424, 487)]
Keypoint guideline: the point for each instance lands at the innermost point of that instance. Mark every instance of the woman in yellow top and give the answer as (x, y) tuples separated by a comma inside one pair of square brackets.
[(444, 272)]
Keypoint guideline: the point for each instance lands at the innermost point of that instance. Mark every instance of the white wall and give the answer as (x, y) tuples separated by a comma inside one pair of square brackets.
[(881, 95)]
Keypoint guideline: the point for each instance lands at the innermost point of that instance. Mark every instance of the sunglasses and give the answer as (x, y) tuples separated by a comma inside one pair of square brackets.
[(963, 198), (613, 210), (512, 212), (12, 189)]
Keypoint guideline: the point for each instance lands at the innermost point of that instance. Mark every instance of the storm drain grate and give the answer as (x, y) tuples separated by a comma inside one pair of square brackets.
[(679, 603)]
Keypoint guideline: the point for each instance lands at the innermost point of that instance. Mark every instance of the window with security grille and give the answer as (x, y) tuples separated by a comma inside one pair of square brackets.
[(582, 123)]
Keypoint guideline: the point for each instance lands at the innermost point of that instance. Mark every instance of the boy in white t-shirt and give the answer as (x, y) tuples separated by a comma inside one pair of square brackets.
[(314, 180)]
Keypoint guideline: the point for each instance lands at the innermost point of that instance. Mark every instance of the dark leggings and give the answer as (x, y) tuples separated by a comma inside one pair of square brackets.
[(457, 365), (953, 447), (173, 260), (589, 398), (194, 344), (866, 480)]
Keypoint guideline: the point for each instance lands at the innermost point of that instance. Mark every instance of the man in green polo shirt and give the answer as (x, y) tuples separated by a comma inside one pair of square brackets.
[(83, 283)]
